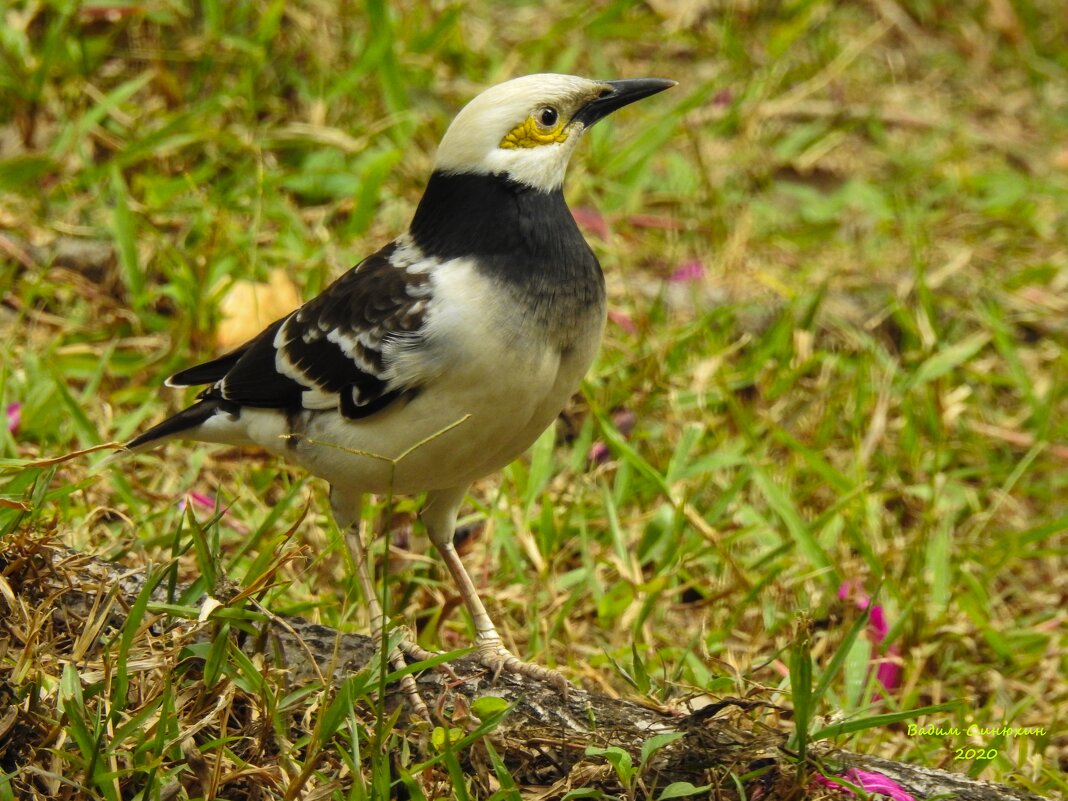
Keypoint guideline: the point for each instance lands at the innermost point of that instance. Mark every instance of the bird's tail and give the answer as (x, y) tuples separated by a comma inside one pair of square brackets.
[(182, 423)]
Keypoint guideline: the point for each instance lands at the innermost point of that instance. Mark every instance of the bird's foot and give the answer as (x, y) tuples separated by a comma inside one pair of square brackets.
[(407, 649), (413, 650), (417, 653), (409, 687), (493, 655)]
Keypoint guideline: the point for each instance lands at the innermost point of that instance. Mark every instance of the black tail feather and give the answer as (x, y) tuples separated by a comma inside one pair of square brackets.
[(208, 372), (174, 426), (216, 369)]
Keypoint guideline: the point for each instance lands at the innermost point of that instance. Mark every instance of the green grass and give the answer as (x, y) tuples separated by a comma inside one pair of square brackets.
[(869, 383)]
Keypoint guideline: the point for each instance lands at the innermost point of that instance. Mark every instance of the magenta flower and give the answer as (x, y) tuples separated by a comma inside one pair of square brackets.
[(14, 417), (888, 666), (211, 504), (623, 320), (198, 499), (888, 669), (599, 453), (877, 622), (624, 420), (688, 273), (869, 782), (591, 220)]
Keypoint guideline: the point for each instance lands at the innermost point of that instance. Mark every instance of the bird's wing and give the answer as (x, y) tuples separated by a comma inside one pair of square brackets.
[(335, 352)]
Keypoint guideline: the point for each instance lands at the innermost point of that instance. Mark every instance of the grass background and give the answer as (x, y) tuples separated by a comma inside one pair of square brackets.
[(837, 260)]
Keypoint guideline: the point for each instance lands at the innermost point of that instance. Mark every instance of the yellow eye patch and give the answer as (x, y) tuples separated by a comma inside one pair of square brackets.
[(530, 133)]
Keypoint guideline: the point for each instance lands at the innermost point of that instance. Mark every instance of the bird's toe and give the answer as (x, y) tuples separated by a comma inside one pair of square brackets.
[(499, 659)]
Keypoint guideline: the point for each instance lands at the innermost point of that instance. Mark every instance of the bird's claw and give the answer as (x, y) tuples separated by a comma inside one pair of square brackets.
[(498, 659)]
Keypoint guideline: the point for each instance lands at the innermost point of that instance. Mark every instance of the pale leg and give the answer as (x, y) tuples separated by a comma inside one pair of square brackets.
[(348, 517), (439, 515)]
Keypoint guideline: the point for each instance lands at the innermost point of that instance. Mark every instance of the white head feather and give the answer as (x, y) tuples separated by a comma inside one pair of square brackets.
[(472, 142)]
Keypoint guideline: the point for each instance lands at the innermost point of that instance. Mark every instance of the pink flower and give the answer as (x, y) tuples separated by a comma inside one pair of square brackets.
[(869, 782), (851, 587), (599, 453), (14, 417), (887, 667), (212, 505), (877, 623), (199, 499), (624, 420), (623, 320), (688, 273), (592, 220)]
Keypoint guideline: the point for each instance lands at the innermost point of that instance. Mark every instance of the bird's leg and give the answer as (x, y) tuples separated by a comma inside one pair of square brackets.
[(361, 556), (358, 549), (439, 515)]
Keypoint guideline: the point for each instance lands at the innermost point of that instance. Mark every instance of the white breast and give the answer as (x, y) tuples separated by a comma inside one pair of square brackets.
[(496, 383)]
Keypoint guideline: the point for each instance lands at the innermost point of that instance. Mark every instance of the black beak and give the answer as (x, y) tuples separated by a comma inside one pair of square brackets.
[(617, 94)]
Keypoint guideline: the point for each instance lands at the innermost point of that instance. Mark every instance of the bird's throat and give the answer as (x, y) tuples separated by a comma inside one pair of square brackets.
[(523, 237)]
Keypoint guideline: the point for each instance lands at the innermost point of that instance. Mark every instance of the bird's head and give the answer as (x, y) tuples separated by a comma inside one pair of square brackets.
[(527, 128)]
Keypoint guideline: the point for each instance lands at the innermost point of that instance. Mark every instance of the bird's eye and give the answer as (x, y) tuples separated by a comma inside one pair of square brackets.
[(547, 117)]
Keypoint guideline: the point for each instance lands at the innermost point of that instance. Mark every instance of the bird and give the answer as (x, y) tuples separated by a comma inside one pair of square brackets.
[(440, 358)]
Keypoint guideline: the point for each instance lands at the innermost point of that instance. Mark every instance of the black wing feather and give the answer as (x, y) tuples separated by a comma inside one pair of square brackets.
[(374, 300)]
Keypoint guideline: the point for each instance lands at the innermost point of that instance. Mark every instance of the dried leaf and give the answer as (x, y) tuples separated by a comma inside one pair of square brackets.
[(250, 306)]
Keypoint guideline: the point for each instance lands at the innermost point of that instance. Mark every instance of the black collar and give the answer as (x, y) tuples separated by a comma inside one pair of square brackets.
[(492, 215)]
